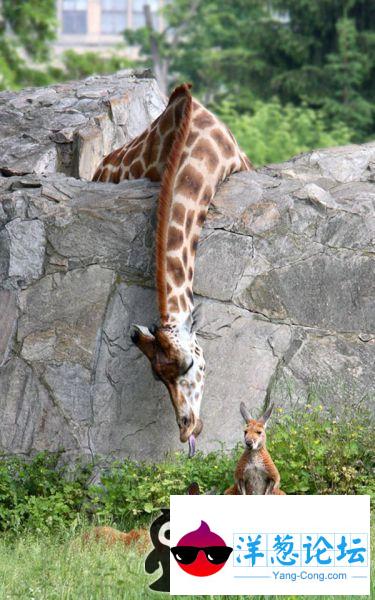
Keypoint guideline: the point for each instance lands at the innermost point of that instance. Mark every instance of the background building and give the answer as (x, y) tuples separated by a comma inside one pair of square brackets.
[(96, 24)]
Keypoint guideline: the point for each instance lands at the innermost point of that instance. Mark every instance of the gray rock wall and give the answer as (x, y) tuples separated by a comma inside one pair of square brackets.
[(285, 275)]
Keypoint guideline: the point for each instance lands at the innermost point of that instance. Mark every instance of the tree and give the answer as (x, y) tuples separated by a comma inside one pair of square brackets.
[(320, 53), (348, 69), (198, 44), (326, 58), (27, 28), (160, 48)]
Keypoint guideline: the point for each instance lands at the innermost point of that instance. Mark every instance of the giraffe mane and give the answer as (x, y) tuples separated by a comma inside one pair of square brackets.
[(166, 195)]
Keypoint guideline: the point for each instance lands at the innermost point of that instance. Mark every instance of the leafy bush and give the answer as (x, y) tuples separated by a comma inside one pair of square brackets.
[(273, 132), (318, 453), (39, 494), (80, 65), (315, 453)]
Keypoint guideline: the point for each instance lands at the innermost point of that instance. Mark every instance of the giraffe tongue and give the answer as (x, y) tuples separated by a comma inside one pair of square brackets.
[(191, 445)]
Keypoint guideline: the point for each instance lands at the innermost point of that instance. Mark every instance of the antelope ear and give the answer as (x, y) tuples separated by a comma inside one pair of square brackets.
[(266, 415), (143, 338), (244, 412), (193, 489)]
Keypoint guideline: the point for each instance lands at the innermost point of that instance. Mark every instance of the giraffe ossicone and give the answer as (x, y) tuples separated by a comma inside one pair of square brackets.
[(190, 152)]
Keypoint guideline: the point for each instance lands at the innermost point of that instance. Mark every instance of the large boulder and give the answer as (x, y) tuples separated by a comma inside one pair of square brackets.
[(285, 276)]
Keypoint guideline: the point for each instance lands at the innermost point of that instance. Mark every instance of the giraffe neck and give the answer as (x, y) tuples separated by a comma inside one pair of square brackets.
[(210, 155), (191, 152)]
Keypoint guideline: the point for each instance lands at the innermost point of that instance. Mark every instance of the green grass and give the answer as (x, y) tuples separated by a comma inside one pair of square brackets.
[(45, 567)]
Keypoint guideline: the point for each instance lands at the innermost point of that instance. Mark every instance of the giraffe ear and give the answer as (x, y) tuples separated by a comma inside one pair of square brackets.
[(143, 338)]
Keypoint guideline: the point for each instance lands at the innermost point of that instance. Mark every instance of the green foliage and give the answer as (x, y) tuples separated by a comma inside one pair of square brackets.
[(38, 494), (27, 27), (274, 133), (80, 65), (318, 453), (348, 69), (133, 491), (33, 23), (315, 453), (317, 54)]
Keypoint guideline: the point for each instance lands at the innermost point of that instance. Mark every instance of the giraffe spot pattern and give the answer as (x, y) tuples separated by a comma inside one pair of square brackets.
[(178, 213), (104, 176), (206, 196), (137, 169), (176, 270), (185, 256), (189, 222), (175, 238), (179, 109), (132, 154), (189, 181), (116, 176), (194, 244), (167, 120), (153, 174), (201, 217), (203, 150), (118, 158), (173, 303), (222, 141), (151, 150), (167, 145), (203, 120), (191, 138)]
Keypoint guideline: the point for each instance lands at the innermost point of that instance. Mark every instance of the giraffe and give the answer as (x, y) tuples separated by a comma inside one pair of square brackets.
[(190, 152)]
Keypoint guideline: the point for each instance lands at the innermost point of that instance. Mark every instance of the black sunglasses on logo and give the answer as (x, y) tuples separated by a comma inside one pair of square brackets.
[(185, 555)]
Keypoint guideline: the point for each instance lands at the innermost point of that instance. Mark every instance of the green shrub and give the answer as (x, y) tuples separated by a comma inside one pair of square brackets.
[(315, 453), (133, 491), (79, 65), (271, 132), (39, 494), (318, 453)]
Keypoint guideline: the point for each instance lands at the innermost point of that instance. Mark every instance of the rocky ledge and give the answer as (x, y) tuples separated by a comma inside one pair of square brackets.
[(285, 276)]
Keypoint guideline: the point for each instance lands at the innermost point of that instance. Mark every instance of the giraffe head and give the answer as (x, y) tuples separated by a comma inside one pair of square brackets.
[(177, 360)]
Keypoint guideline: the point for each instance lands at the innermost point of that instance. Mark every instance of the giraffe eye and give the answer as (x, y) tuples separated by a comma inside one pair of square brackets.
[(188, 368)]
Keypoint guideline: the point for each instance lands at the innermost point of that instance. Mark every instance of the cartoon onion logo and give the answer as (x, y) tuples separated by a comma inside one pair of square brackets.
[(201, 552)]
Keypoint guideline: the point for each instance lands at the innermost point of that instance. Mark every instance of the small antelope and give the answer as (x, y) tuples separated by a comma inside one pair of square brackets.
[(110, 536), (255, 472)]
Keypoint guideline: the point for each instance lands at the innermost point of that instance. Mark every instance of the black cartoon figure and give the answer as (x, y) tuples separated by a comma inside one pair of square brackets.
[(159, 556)]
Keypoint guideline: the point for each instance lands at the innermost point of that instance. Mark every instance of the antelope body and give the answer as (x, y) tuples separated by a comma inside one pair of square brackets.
[(256, 472)]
